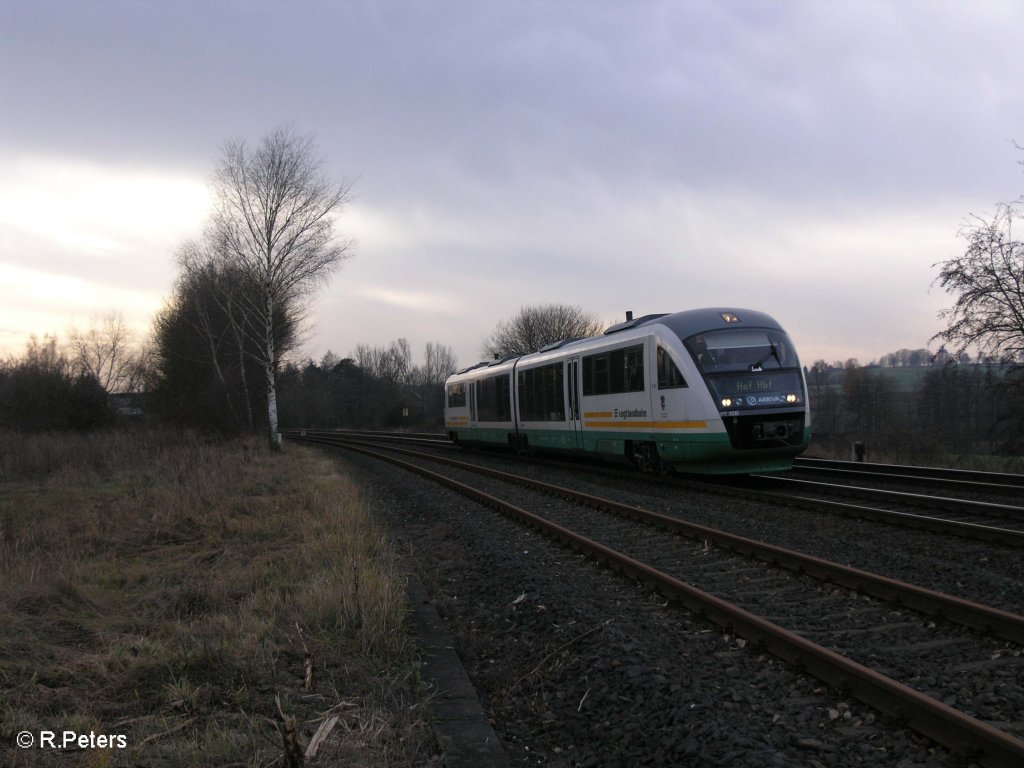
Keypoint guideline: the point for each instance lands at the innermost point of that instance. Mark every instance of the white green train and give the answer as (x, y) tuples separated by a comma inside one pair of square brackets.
[(705, 390)]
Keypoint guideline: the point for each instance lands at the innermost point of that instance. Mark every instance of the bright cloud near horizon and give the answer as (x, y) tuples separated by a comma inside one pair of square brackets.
[(813, 160)]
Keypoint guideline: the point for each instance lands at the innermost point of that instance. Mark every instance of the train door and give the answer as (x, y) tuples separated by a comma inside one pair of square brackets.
[(670, 391), (574, 411), (472, 403)]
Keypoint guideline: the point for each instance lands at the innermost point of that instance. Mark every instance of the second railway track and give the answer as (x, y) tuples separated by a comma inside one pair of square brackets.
[(968, 518)]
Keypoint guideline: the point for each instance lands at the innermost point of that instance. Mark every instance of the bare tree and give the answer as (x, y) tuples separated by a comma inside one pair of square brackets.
[(392, 364), (819, 374), (537, 326), (399, 363), (44, 355), (107, 351), (988, 280), (438, 363), (274, 224)]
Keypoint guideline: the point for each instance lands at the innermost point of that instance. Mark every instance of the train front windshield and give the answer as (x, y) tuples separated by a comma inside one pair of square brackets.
[(748, 368)]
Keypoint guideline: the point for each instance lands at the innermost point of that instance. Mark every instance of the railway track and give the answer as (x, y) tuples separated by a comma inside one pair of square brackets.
[(966, 508), (987, 521), (957, 479), (737, 592)]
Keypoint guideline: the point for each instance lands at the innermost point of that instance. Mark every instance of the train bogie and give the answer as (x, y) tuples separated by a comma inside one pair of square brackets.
[(699, 391)]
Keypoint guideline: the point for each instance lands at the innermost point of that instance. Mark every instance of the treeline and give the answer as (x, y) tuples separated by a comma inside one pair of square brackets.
[(948, 408), (81, 384), (208, 366), (917, 358), (45, 390), (377, 387), (202, 369)]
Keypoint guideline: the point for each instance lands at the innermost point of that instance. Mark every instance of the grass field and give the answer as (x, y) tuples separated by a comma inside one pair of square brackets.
[(172, 601)]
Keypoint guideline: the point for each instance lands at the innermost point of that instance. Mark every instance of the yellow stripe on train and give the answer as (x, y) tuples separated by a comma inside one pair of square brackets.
[(648, 424)]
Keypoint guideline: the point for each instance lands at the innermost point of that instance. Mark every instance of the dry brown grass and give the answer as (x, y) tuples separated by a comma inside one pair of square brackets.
[(169, 588)]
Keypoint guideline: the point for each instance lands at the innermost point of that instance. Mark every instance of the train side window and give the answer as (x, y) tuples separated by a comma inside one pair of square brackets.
[(669, 376), (493, 399), (595, 375), (610, 373), (633, 369), (541, 395), (618, 371), (505, 397), (457, 395)]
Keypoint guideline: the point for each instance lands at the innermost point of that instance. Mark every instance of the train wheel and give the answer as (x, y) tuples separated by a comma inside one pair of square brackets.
[(645, 456), (523, 447)]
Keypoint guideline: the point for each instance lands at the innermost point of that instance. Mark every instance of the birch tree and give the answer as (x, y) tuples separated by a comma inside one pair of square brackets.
[(274, 222)]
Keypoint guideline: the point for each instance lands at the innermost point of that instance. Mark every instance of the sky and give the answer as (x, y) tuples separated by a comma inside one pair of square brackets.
[(812, 160)]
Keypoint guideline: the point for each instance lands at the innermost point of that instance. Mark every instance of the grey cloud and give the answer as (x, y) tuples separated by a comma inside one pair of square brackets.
[(672, 139)]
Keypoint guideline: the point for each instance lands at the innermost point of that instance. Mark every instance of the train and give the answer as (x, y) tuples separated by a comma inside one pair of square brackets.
[(708, 391)]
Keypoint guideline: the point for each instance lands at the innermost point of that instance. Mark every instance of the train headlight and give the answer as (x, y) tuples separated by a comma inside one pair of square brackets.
[(791, 398), (727, 402)]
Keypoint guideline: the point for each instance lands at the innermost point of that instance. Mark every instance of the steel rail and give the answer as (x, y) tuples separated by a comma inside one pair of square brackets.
[(924, 522), (951, 483), (940, 722), (1008, 511), (917, 472), (436, 437)]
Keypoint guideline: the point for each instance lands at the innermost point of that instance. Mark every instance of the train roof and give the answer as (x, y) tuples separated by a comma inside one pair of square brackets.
[(691, 321), (684, 324), (486, 364)]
